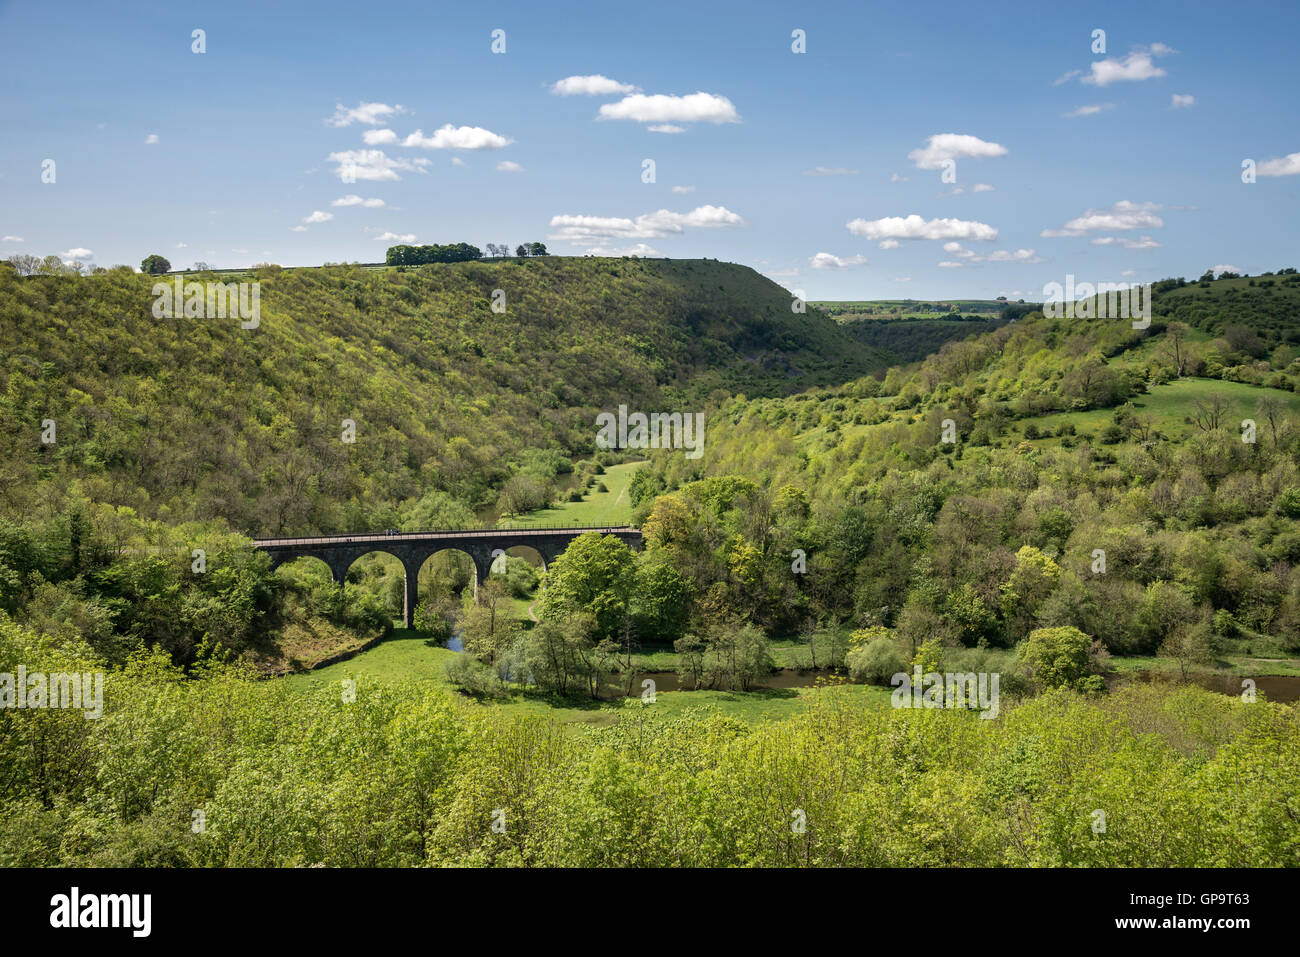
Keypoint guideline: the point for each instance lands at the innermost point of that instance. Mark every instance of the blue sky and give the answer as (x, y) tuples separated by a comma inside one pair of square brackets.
[(224, 157)]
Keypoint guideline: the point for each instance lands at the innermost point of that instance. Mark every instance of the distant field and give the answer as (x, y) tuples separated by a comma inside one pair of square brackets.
[(612, 507), (1170, 405)]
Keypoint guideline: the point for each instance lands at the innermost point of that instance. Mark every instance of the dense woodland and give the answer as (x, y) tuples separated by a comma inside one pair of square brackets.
[(828, 505)]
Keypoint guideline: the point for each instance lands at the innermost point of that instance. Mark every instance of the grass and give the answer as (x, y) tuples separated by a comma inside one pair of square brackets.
[(612, 507), (1170, 405), (410, 655), (1229, 664)]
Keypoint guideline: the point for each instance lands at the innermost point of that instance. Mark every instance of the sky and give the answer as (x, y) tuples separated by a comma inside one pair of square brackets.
[(929, 151)]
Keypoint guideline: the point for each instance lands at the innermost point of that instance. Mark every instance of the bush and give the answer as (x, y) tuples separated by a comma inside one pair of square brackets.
[(472, 676), (1061, 657), (876, 661)]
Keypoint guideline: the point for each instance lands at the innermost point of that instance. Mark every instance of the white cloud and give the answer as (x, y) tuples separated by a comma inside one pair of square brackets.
[(1223, 267), (1182, 101), (946, 264), (831, 261), (666, 128), (182, 245), (683, 189), (297, 229), (594, 85), (1066, 77), (889, 244), (656, 225), (371, 114), (151, 139), (373, 165), (1092, 109), (379, 137), (318, 216), (1127, 273), (457, 161), (450, 137), (76, 252), (914, 227), (901, 279), (640, 249), (352, 199), (1138, 65), (830, 171), (895, 178), (1123, 215), (13, 239), (509, 166), (1009, 256), (996, 256), (660, 108), (1288, 165), (983, 188), (1145, 242), (396, 237), (950, 146)]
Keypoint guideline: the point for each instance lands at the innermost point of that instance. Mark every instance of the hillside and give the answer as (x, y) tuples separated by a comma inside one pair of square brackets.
[(199, 419), (1172, 450)]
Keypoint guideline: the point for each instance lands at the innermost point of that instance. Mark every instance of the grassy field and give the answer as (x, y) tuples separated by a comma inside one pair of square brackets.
[(410, 654), (1170, 405), (612, 507)]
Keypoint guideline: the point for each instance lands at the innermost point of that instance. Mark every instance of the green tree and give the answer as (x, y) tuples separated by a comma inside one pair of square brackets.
[(155, 265), (594, 575)]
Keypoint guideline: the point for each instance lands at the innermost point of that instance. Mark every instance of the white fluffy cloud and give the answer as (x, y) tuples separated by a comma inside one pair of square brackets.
[(831, 261), (1223, 267), (1182, 101), (1288, 165), (151, 139), (660, 108), (371, 114), (889, 244), (396, 237), (595, 85), (76, 252), (373, 165), (1123, 215), (656, 225), (666, 128), (352, 199), (318, 216), (379, 137), (509, 166), (830, 171), (450, 137), (951, 146), (13, 239), (914, 227), (1138, 65), (683, 189)]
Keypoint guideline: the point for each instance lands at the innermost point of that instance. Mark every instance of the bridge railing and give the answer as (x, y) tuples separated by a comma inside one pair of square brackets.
[(469, 530)]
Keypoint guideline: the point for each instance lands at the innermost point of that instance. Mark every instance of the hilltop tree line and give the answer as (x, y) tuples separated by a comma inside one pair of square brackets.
[(455, 253)]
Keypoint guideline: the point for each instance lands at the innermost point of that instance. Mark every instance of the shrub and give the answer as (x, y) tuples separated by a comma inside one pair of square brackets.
[(876, 661)]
